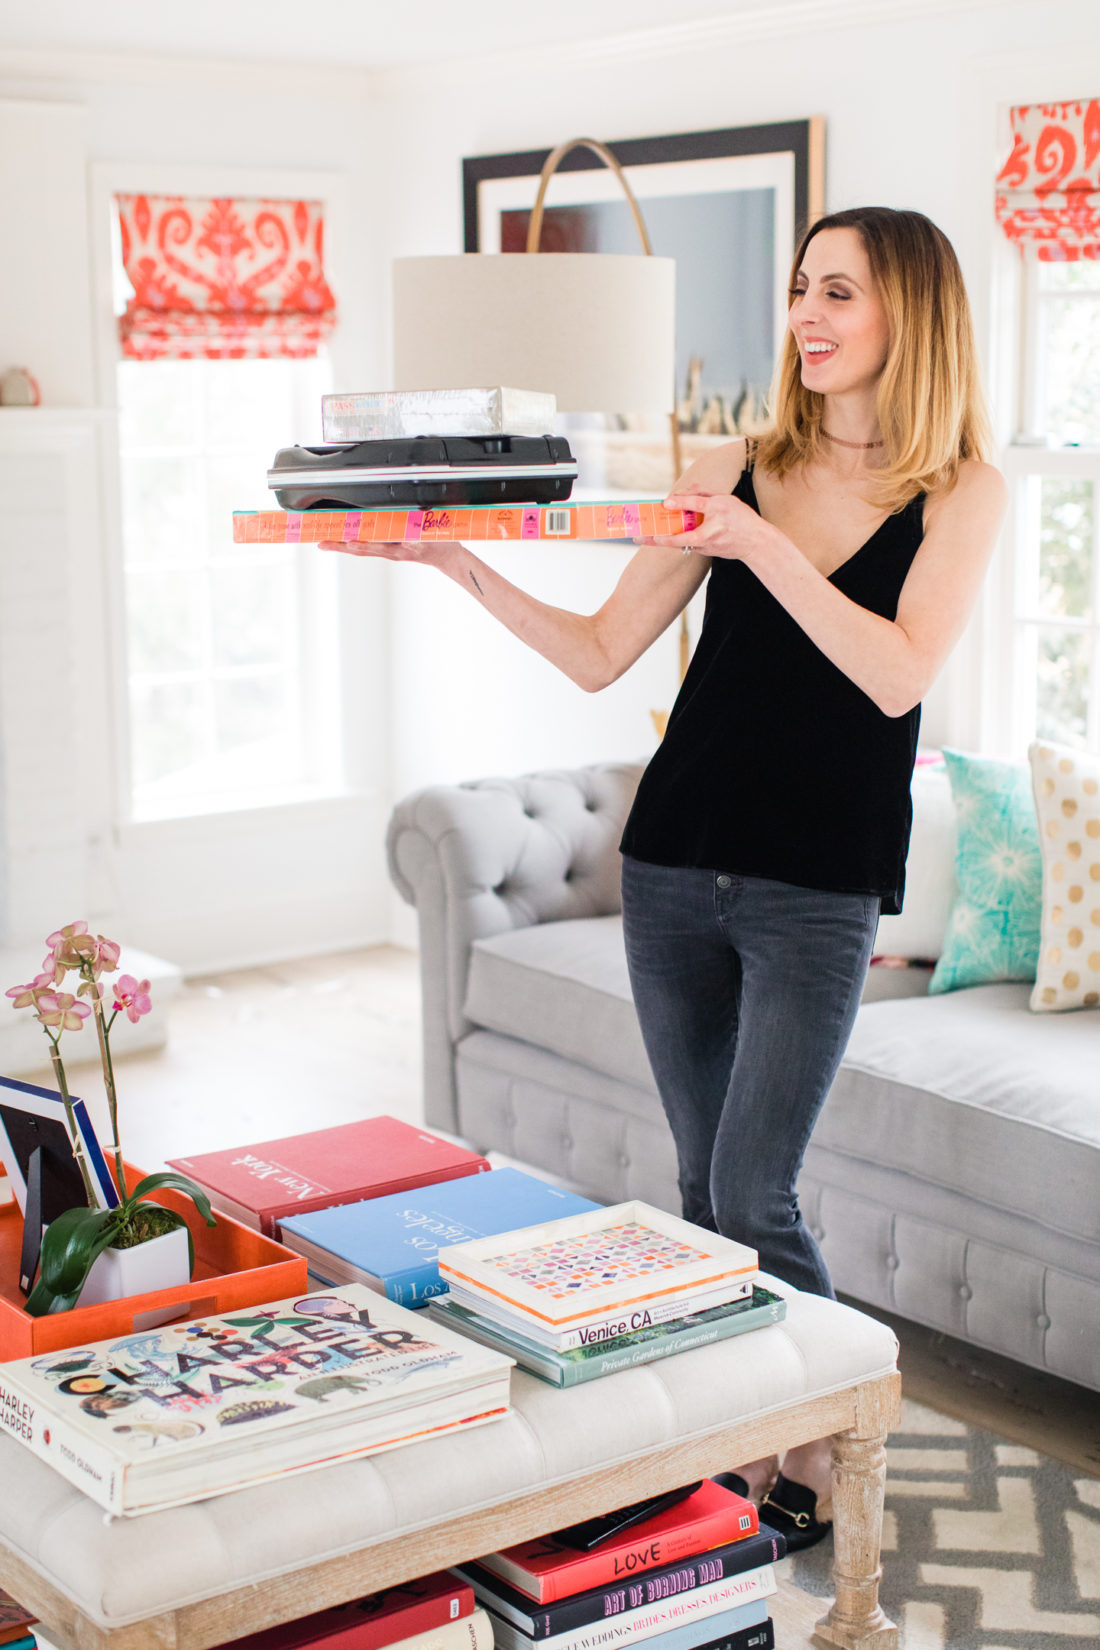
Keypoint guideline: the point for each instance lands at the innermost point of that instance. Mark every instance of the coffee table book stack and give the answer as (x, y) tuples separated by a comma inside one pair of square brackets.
[(696, 1576), (601, 1291), (195, 1409)]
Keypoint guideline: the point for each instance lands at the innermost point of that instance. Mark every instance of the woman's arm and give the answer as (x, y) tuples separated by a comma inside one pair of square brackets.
[(894, 661), (594, 649)]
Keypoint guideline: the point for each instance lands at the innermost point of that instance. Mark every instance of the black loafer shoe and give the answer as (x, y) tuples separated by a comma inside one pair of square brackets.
[(731, 1481), (794, 1511)]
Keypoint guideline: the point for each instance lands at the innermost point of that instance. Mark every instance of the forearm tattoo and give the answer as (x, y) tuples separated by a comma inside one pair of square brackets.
[(477, 587)]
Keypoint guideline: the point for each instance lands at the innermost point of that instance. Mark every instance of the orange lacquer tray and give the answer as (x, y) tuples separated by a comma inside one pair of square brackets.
[(234, 1267)]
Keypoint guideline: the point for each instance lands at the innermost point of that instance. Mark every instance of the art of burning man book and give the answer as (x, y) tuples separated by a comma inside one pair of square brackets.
[(390, 1243), (617, 1599), (261, 1183), (547, 1568), (614, 1270), (427, 1608), (177, 1414), (607, 1357), (624, 519)]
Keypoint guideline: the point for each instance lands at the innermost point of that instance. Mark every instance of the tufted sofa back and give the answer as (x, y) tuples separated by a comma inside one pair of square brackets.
[(481, 858)]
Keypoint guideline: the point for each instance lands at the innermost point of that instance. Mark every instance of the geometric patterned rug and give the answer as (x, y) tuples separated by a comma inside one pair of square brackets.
[(986, 1545)]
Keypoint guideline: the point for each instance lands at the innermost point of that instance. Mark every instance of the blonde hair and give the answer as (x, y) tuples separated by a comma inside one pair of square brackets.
[(931, 408)]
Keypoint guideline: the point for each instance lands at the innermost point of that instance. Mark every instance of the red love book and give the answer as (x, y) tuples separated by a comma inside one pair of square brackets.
[(546, 1570), (373, 1622), (261, 1183)]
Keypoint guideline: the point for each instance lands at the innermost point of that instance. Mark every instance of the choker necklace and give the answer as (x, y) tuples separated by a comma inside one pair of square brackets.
[(858, 445)]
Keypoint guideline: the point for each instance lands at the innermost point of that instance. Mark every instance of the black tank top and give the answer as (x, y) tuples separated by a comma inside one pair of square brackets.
[(775, 764)]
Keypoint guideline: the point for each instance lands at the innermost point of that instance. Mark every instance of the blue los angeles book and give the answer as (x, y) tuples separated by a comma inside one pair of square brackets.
[(391, 1243)]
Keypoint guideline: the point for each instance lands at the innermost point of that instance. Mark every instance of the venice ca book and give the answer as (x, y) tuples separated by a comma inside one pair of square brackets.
[(261, 1183), (624, 519), (390, 1243), (191, 1410), (607, 1357), (630, 1263)]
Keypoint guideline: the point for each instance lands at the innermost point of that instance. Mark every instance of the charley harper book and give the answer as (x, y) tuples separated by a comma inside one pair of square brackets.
[(624, 1267), (181, 1413), (261, 1183)]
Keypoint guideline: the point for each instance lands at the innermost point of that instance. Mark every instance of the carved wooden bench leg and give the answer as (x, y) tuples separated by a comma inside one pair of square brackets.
[(856, 1620)]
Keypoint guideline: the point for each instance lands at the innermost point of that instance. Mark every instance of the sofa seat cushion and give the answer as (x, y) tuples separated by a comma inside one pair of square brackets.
[(973, 1092), (562, 986)]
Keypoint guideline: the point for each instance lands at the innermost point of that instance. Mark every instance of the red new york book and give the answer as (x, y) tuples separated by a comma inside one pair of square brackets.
[(373, 1622), (260, 1184), (546, 1570)]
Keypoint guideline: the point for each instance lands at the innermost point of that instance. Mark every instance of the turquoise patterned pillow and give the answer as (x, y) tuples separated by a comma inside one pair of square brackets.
[(993, 930)]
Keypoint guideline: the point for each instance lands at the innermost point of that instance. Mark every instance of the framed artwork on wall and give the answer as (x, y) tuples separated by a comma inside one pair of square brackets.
[(729, 206)]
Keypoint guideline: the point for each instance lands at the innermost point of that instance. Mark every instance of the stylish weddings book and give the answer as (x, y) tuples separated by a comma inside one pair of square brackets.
[(607, 1357), (624, 1267), (626, 519), (390, 1243), (193, 1409), (436, 1609), (547, 1568), (261, 1183)]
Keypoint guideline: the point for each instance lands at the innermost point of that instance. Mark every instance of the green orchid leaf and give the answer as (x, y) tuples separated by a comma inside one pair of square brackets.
[(70, 1246), (180, 1183)]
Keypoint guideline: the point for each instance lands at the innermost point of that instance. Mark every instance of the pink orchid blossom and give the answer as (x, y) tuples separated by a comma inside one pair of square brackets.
[(133, 996), (61, 1009)]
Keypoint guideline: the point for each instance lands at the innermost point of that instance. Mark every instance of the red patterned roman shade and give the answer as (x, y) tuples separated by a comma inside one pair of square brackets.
[(223, 279), (1048, 191)]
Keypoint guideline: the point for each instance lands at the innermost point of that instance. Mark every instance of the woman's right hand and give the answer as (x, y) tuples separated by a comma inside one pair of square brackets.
[(429, 552)]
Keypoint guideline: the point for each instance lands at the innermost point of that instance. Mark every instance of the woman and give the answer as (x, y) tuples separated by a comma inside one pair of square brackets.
[(845, 551)]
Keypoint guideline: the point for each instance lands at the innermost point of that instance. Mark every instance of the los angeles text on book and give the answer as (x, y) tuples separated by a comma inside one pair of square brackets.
[(395, 1615), (372, 1157), (194, 1409), (629, 1260), (545, 1569), (685, 1575), (629, 519)]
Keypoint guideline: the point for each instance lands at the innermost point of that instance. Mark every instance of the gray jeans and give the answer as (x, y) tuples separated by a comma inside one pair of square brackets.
[(746, 991)]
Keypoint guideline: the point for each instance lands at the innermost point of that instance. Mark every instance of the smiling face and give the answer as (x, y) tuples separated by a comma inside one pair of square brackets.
[(837, 316)]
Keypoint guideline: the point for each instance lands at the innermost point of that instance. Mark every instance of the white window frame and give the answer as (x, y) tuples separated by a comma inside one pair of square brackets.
[(318, 586), (1027, 458)]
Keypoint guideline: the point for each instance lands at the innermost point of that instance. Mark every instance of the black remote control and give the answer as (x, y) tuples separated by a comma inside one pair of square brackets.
[(592, 1532)]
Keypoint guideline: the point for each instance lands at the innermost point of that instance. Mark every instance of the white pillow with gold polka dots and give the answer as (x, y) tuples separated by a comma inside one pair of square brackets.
[(1066, 783)]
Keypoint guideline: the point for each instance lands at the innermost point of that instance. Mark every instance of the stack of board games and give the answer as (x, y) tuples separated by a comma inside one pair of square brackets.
[(692, 1570), (167, 1416), (261, 1183), (594, 1293), (436, 1612), (390, 1243)]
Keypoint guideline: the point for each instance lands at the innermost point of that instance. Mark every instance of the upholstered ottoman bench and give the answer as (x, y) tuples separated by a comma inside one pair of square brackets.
[(195, 1576)]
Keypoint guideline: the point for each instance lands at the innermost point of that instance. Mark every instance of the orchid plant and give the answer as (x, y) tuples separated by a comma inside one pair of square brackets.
[(73, 1241)]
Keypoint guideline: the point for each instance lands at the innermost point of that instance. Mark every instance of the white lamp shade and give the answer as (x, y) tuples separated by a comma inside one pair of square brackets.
[(596, 330)]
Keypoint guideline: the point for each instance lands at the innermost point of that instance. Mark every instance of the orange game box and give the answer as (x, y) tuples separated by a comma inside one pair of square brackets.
[(621, 519), (234, 1267)]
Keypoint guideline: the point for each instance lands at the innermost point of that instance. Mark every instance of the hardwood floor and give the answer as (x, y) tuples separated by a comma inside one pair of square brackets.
[(263, 1052)]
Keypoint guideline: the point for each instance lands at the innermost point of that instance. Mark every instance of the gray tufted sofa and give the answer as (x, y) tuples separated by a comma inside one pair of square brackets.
[(954, 1176)]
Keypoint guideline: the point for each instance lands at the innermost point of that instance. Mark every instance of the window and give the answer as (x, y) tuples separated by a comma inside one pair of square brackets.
[(1054, 467), (1048, 206), (226, 644), (230, 648)]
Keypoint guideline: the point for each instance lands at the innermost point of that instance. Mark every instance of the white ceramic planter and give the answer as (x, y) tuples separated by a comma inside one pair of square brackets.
[(162, 1263)]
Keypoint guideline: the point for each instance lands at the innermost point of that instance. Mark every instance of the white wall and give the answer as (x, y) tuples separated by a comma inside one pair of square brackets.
[(433, 690)]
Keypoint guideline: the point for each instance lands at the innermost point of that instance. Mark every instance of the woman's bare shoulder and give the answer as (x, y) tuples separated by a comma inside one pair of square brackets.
[(715, 471), (979, 487)]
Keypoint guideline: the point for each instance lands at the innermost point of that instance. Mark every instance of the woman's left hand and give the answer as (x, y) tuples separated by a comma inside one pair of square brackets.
[(729, 528)]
